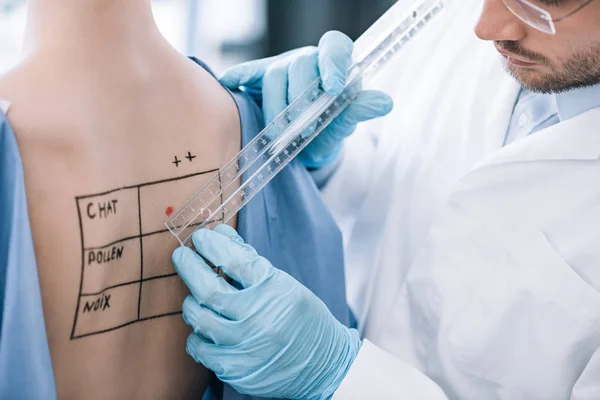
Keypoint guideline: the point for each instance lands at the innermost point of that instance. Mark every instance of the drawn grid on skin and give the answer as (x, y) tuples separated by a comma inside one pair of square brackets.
[(141, 252), (139, 237)]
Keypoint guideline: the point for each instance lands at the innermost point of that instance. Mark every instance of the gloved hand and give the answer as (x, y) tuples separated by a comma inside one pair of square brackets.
[(271, 338), (280, 80)]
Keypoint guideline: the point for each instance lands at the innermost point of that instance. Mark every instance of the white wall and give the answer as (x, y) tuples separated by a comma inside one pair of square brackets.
[(217, 21), (12, 27)]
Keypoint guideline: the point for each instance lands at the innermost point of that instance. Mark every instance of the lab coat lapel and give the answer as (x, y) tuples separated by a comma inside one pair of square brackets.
[(575, 139), (500, 108)]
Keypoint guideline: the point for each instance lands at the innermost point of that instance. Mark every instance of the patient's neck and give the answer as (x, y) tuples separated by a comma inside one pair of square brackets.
[(93, 30)]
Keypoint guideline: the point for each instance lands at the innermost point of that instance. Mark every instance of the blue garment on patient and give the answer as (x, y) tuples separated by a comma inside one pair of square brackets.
[(287, 223), (25, 367), (299, 235)]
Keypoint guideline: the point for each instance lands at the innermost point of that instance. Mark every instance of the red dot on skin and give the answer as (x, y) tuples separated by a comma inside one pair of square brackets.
[(169, 211)]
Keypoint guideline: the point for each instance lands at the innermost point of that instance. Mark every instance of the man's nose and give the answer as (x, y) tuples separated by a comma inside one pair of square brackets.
[(498, 23)]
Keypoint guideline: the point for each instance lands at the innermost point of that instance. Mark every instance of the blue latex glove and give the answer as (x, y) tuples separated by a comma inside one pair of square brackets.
[(278, 81), (270, 338)]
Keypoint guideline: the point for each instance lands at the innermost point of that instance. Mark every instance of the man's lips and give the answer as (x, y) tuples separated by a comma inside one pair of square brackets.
[(516, 61)]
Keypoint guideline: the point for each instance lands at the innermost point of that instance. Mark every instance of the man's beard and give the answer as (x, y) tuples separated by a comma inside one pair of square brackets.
[(579, 69)]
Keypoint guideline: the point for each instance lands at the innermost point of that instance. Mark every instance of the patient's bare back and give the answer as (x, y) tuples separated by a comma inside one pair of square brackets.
[(107, 158)]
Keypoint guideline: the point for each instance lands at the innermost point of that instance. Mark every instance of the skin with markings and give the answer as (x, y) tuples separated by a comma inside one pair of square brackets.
[(100, 102)]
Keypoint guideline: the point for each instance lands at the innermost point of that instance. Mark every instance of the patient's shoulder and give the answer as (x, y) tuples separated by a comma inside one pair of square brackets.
[(23, 91), (250, 114)]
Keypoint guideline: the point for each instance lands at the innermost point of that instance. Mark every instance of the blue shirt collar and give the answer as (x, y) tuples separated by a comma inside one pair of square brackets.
[(574, 102)]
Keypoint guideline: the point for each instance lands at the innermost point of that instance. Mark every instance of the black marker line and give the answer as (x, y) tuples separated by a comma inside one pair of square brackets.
[(190, 157), (87, 196), (160, 277), (82, 269), (160, 316), (106, 289), (126, 324), (178, 179), (135, 237), (117, 242), (143, 236), (141, 252)]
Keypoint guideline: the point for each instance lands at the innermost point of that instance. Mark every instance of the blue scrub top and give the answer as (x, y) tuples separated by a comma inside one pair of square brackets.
[(287, 223)]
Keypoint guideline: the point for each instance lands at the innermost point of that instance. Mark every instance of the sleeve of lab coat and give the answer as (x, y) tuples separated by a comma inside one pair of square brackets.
[(376, 374), (347, 187), (587, 386), (349, 182)]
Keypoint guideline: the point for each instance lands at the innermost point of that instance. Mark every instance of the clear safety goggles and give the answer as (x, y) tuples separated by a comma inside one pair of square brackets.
[(534, 15)]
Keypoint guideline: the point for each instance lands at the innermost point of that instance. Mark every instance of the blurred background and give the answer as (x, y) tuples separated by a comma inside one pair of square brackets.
[(226, 32)]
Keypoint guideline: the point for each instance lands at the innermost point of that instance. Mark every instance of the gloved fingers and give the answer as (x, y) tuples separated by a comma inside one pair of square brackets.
[(218, 359), (325, 149), (335, 58), (228, 231), (302, 72), (204, 352), (250, 74), (275, 90), (207, 323), (313, 157), (206, 286), (369, 104), (238, 260)]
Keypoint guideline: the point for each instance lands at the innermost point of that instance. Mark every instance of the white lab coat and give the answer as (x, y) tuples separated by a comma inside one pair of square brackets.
[(473, 269)]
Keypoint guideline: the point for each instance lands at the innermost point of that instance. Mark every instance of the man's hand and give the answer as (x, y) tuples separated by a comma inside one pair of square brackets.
[(269, 336), (278, 81)]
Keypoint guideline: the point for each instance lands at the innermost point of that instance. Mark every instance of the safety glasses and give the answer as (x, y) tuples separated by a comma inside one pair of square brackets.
[(539, 18)]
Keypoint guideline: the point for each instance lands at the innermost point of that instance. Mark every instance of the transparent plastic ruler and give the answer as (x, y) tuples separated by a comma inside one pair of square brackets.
[(224, 195)]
